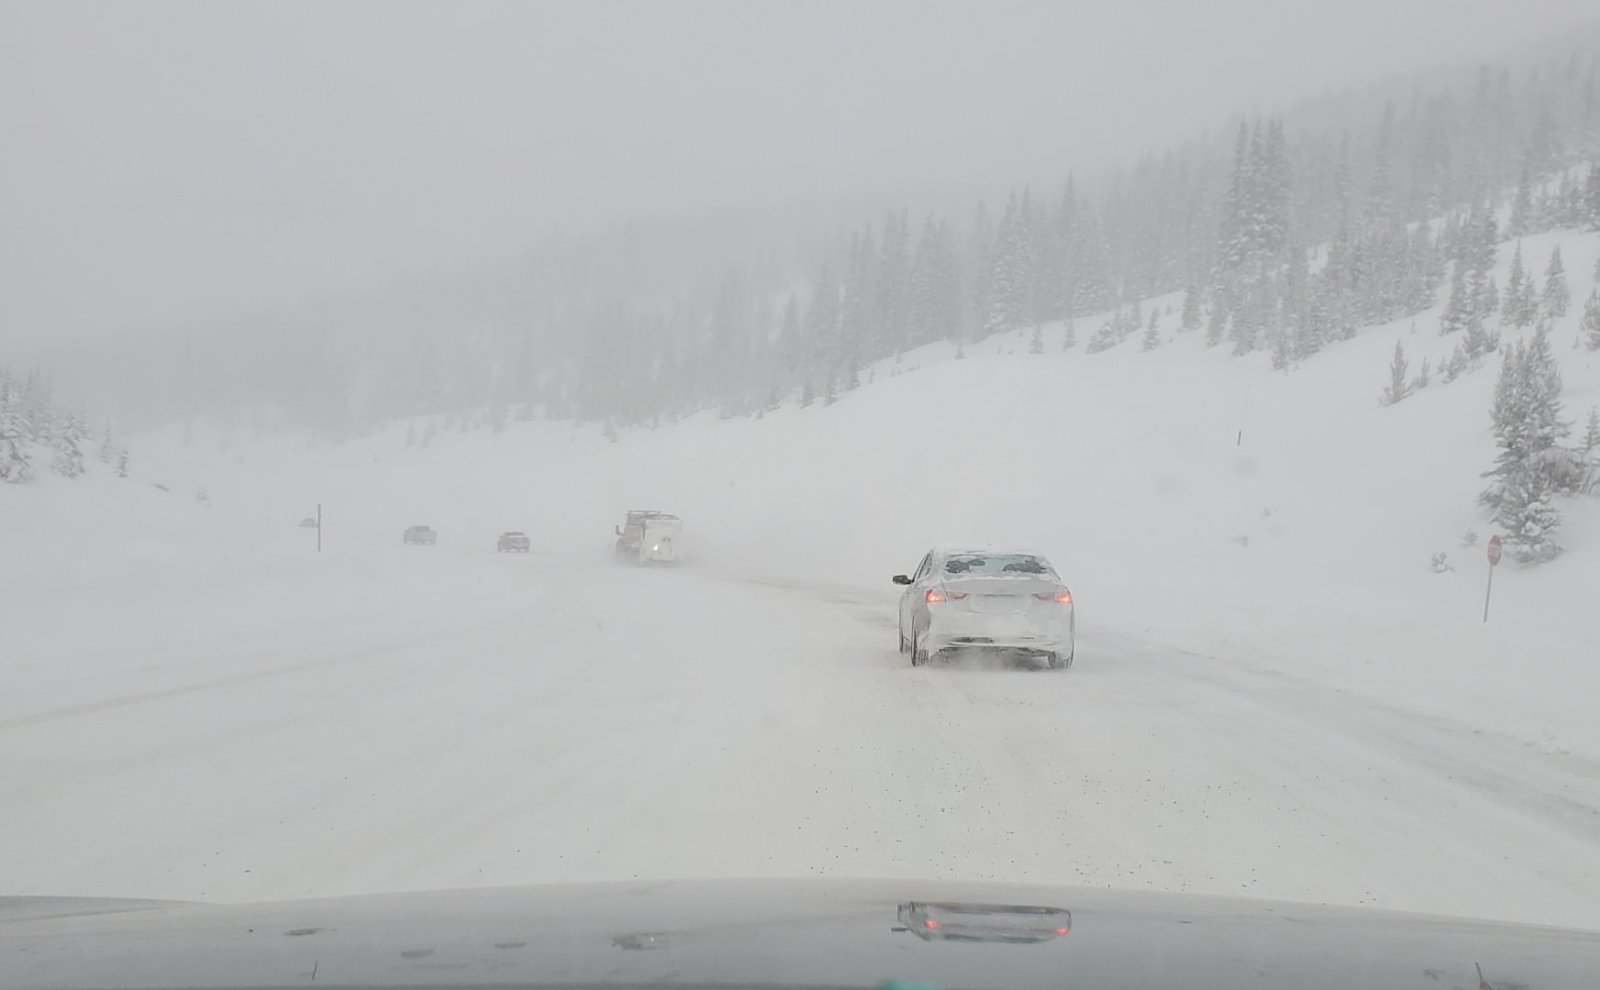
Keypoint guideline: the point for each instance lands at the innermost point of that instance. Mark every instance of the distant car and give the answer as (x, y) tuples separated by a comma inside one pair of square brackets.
[(969, 598), (423, 535), (308, 523), (512, 541)]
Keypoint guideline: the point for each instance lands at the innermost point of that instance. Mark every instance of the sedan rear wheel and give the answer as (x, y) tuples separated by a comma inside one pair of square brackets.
[(919, 656)]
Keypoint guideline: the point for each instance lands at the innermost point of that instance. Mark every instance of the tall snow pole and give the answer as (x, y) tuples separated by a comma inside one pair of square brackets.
[(319, 527)]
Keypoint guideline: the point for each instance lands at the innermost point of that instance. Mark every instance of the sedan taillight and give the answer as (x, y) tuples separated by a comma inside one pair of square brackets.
[(934, 596), (1060, 596)]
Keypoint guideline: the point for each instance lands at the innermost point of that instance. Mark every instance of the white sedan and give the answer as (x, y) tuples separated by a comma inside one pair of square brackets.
[(978, 599)]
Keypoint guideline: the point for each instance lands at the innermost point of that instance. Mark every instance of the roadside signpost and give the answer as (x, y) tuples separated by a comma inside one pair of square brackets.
[(1494, 561), (319, 529)]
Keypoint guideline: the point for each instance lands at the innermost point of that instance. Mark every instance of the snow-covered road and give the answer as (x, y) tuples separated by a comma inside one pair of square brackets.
[(399, 719)]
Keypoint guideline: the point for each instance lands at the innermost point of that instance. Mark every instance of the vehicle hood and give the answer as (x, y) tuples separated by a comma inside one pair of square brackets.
[(796, 933)]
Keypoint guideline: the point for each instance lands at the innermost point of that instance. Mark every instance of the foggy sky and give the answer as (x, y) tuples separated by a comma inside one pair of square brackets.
[(168, 161)]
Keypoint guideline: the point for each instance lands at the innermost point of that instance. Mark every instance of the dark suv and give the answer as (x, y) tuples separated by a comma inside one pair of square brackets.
[(512, 542), (423, 535)]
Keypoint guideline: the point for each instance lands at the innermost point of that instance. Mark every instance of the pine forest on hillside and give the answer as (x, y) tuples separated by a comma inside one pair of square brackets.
[(1284, 236)]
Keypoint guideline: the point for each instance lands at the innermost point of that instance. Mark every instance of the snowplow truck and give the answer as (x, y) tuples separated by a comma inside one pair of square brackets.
[(649, 537)]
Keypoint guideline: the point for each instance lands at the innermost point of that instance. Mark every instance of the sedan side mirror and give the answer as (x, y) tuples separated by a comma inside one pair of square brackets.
[(901, 579), (618, 530)]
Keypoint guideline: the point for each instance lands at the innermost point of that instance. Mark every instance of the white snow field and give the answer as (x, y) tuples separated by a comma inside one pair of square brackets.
[(1274, 694)]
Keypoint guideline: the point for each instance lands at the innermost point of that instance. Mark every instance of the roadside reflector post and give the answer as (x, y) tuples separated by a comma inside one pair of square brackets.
[(1494, 561), (319, 527)]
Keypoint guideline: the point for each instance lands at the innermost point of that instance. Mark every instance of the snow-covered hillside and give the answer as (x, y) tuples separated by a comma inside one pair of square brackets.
[(1275, 693), (1201, 500)]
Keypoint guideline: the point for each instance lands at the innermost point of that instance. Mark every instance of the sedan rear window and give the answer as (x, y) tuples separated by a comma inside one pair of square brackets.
[(1000, 563)]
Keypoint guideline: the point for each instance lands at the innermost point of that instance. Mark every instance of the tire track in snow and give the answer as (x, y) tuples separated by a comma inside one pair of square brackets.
[(1561, 790), (329, 659)]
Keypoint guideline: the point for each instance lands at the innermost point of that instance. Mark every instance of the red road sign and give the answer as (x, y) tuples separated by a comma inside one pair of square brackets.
[(1494, 550)]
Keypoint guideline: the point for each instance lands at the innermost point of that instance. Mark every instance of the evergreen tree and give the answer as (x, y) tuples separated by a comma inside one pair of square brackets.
[(1521, 205), (1152, 334), (1295, 291), (38, 415), (1506, 416), (1282, 350), (947, 282), (1529, 516), (823, 325), (16, 464), (893, 286), (1520, 300), (68, 459), (1458, 308), (1245, 327), (1455, 365), (1399, 385), (1037, 262), (859, 336), (1591, 211), (1591, 320), (1008, 274), (1069, 340), (1191, 308), (791, 347), (1479, 242), (1093, 283), (978, 265), (922, 288), (1476, 337), (1556, 298), (1232, 240), (1424, 376), (1591, 431), (1036, 340), (1277, 182), (122, 463), (1217, 325), (1379, 212), (1526, 419)]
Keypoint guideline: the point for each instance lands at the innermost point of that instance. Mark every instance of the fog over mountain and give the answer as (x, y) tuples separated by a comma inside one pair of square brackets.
[(178, 163)]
